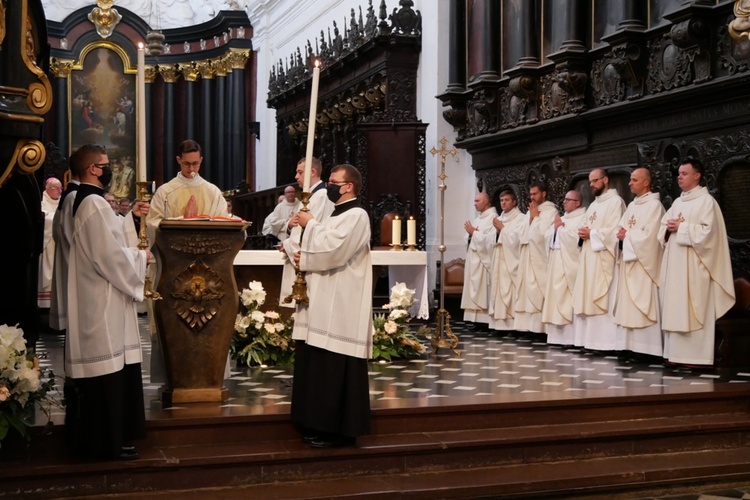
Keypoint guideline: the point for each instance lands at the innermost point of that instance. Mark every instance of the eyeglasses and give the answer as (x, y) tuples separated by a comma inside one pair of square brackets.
[(595, 180), (569, 199), (190, 164), (343, 183), (101, 165)]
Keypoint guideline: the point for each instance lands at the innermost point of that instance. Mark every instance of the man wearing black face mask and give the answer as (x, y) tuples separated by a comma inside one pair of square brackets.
[(330, 395), (105, 409)]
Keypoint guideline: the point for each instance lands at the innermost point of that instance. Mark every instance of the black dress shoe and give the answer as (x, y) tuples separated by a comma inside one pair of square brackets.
[(332, 443), (309, 438), (131, 454), (128, 448)]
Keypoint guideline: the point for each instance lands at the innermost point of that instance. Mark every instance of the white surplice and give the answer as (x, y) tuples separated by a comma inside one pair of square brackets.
[(335, 255), (637, 302), (594, 292), (320, 208), (47, 258), (557, 311), (696, 284), (105, 276), (477, 268), (62, 232), (533, 271), (506, 258), (276, 222)]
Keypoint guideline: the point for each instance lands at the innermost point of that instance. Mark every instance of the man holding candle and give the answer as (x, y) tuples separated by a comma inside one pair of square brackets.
[(320, 208), (188, 194), (330, 398), (478, 266)]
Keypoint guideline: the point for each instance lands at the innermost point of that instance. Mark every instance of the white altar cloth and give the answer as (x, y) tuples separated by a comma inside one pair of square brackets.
[(406, 267)]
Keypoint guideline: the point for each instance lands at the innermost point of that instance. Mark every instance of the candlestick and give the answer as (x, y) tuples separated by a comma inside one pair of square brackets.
[(311, 127), (411, 231), (140, 103), (396, 231)]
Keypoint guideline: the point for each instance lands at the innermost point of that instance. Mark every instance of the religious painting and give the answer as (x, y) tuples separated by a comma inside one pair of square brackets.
[(102, 111)]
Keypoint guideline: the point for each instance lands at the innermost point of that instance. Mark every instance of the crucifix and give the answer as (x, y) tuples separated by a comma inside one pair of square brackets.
[(443, 336)]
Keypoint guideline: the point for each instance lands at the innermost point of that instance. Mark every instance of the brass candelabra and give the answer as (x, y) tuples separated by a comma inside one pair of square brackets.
[(299, 288), (143, 195)]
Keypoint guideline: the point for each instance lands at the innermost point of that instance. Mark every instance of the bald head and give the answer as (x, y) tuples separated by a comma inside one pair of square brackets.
[(289, 194), (640, 181), (572, 201), (53, 188), (482, 202)]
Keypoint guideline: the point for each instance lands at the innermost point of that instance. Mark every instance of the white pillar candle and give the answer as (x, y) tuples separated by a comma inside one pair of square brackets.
[(140, 103), (311, 127), (396, 231), (411, 231)]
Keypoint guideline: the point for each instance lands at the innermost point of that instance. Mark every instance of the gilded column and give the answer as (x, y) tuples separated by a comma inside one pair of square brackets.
[(235, 170), (212, 170), (169, 74), (151, 73), (457, 46), (190, 75), (220, 117), (61, 69)]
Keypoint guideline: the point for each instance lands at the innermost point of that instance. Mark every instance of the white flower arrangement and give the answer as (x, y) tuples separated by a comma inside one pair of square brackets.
[(392, 337), (21, 385), (261, 337)]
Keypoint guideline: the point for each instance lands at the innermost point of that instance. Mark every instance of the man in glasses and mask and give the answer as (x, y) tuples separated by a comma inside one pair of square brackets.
[(105, 409)]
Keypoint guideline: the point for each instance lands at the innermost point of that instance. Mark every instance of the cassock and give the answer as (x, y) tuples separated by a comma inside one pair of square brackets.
[(506, 258), (557, 311), (102, 349), (320, 208), (475, 297), (637, 301), (696, 285), (594, 292), (62, 232), (276, 222), (533, 270), (171, 199), (47, 258), (334, 333)]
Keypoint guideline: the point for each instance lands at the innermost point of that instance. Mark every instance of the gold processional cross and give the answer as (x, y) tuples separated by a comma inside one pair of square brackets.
[(443, 336)]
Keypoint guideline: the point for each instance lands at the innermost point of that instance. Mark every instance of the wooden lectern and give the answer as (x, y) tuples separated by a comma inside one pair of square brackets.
[(195, 319)]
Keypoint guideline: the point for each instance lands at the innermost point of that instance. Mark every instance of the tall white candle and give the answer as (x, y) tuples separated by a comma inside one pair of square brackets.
[(396, 231), (140, 103), (411, 231), (311, 127)]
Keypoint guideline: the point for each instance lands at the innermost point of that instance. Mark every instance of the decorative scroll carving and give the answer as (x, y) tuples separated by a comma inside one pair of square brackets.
[(482, 112), (198, 290), (200, 245), (619, 74), (28, 156), (740, 27), (104, 17), (519, 105), (734, 54), (669, 67)]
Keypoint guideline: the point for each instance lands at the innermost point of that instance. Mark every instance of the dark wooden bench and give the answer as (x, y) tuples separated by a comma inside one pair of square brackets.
[(733, 330)]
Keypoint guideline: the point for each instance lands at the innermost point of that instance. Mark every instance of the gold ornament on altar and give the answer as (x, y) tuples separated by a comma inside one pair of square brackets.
[(197, 290), (104, 17)]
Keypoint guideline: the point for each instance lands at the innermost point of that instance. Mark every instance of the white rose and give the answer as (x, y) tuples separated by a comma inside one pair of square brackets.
[(270, 328), (397, 314), (258, 317), (390, 327), (279, 327), (272, 315), (246, 297)]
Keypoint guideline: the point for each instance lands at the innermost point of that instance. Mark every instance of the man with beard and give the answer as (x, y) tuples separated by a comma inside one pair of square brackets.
[(594, 293), (475, 296), (534, 260), (505, 261), (696, 284)]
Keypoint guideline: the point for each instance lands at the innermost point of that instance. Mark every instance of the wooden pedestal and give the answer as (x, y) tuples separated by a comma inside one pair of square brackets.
[(195, 318)]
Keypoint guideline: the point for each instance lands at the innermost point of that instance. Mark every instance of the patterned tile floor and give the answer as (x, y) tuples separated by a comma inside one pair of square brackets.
[(492, 367)]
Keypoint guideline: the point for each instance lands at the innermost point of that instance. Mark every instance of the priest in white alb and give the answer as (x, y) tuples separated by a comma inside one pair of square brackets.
[(188, 195), (276, 222), (594, 292), (562, 239), (696, 285), (478, 265), (506, 259), (637, 302), (534, 260), (320, 207), (334, 333), (50, 200)]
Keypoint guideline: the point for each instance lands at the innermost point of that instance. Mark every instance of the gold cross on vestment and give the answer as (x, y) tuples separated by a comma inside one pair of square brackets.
[(592, 218), (680, 217), (631, 222), (443, 152)]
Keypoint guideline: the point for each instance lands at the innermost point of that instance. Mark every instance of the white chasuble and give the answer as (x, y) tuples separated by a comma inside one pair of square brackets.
[(335, 256), (557, 311), (506, 258), (105, 276), (476, 292), (594, 292), (320, 208), (696, 284), (533, 271), (637, 302)]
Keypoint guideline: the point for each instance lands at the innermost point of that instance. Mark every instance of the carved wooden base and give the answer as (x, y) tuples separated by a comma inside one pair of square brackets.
[(171, 397)]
